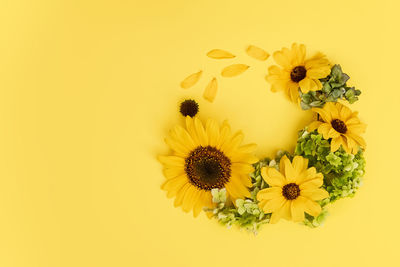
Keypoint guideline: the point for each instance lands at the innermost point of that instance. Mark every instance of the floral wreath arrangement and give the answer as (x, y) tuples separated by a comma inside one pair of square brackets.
[(210, 170)]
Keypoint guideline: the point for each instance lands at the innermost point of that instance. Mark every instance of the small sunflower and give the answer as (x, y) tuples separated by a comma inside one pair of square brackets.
[(293, 190), (296, 71), (340, 124), (205, 158)]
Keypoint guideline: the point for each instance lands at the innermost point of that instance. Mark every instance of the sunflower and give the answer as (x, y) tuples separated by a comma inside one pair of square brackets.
[(340, 124), (297, 71), (205, 158), (293, 190)]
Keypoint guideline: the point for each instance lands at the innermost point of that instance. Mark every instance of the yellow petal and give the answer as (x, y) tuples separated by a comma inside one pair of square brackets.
[(335, 143), (225, 132), (314, 194), (311, 207), (173, 185), (231, 145), (191, 80), (198, 206), (324, 130), (269, 193), (244, 157), (201, 133), (234, 70), (188, 200), (191, 129), (283, 58), (272, 176), (181, 194), (173, 172), (211, 90), (358, 139), (257, 53), (274, 204), (171, 161), (249, 148), (312, 184), (314, 125), (288, 169), (326, 116), (299, 164), (297, 210), (212, 131), (219, 54), (242, 168)]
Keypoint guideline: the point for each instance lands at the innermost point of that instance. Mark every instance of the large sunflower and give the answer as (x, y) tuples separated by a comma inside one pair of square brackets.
[(296, 71), (293, 190), (205, 158), (342, 125)]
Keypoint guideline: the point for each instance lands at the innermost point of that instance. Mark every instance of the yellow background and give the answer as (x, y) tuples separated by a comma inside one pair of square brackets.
[(90, 88)]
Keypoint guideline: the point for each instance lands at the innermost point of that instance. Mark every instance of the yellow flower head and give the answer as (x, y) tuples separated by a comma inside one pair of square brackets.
[(342, 125), (205, 158), (293, 190), (296, 71)]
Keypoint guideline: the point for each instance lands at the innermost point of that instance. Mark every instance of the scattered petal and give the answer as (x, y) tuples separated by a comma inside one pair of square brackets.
[(257, 53), (234, 70), (211, 90), (219, 54), (191, 80)]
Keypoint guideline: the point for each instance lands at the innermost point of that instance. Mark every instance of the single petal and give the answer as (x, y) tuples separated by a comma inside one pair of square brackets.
[(249, 148), (230, 146), (335, 143), (191, 129), (305, 85), (311, 207), (324, 114), (357, 138), (181, 194), (314, 125), (173, 172), (324, 130), (191, 80), (212, 131), (314, 194), (201, 133), (312, 184), (288, 169), (242, 168), (299, 164), (219, 54), (283, 58), (198, 206), (257, 53), (273, 177), (297, 210), (171, 161), (274, 204), (269, 193), (211, 90), (234, 70)]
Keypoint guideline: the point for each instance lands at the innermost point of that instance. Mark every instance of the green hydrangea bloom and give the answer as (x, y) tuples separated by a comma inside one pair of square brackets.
[(342, 171), (334, 87)]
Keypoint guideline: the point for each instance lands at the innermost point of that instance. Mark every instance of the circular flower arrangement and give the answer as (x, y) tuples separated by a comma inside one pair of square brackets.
[(210, 169)]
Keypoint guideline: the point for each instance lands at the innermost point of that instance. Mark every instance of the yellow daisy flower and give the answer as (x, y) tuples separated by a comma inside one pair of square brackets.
[(293, 190), (296, 71), (340, 124), (205, 158)]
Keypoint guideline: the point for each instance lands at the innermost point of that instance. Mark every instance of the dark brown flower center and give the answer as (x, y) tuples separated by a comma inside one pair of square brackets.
[(291, 191), (189, 107), (208, 168), (339, 126), (298, 73)]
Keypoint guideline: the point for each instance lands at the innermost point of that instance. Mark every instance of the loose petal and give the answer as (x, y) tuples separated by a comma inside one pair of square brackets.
[(211, 90), (257, 53), (234, 70), (219, 54), (191, 80)]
